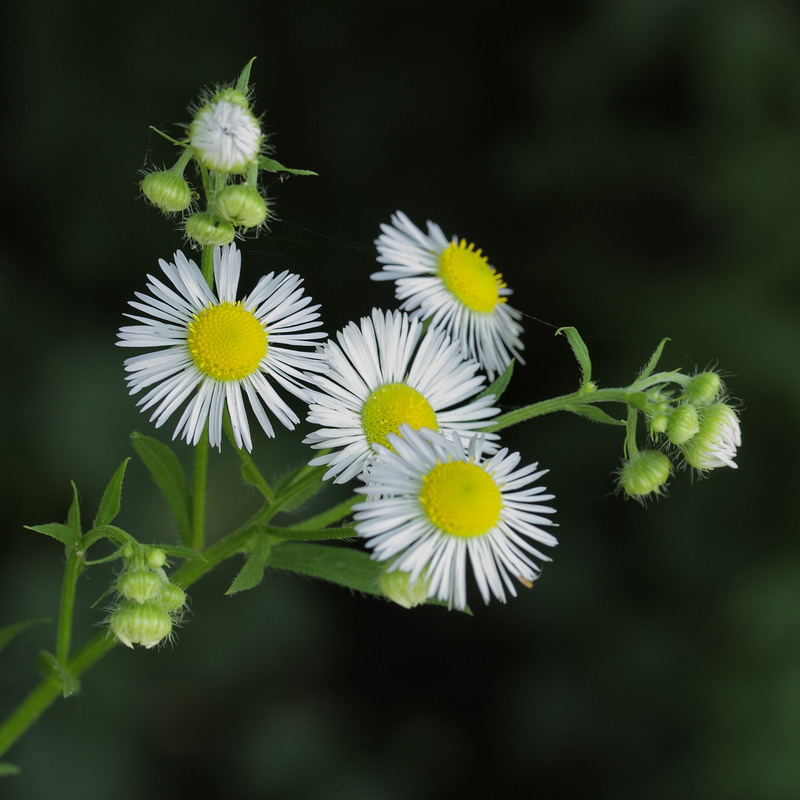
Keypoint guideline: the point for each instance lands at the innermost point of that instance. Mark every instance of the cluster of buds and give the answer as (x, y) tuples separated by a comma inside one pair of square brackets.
[(149, 604), (225, 141), (697, 424)]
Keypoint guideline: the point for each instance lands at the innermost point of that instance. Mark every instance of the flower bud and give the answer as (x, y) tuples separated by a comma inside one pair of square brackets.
[(172, 597), (156, 558), (646, 473), (146, 624), (658, 424), (230, 95), (397, 586), (167, 191), (140, 586), (241, 205), (207, 230), (225, 136), (717, 441), (683, 424), (703, 388)]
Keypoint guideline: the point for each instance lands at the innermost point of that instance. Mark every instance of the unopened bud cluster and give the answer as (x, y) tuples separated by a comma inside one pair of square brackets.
[(697, 424), (149, 604), (225, 141)]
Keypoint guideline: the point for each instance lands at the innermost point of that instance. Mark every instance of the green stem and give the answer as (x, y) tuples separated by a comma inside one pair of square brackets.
[(207, 265), (73, 568), (630, 448), (563, 403), (200, 475)]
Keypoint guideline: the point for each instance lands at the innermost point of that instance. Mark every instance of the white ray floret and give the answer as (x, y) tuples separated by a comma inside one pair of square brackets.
[(453, 285), (214, 350), (437, 508), (383, 372)]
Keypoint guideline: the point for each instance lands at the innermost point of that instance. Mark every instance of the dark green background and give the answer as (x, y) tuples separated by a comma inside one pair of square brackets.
[(633, 168)]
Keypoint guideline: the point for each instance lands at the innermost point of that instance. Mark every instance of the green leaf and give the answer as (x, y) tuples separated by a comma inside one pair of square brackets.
[(351, 568), (51, 666), (112, 498), (8, 769), (111, 532), (652, 363), (302, 534), (596, 415), (325, 518), (168, 137), (293, 489), (243, 81), (63, 533), (74, 513), (169, 476), (252, 573), (12, 631), (270, 165), (500, 383), (176, 551), (581, 352)]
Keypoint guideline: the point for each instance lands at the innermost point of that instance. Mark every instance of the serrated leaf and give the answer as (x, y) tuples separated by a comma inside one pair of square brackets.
[(351, 568), (654, 359), (596, 415), (581, 352), (51, 666), (243, 81), (300, 534), (10, 632), (56, 530), (500, 383), (252, 572), (74, 513), (168, 474), (271, 165), (8, 769), (111, 501)]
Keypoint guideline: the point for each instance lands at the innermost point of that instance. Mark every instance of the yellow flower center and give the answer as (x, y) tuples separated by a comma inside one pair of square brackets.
[(226, 341), (467, 274), (389, 406), (461, 499)]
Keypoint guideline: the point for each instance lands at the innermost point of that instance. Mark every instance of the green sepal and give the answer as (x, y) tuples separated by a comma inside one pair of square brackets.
[(581, 352), (654, 359), (596, 415), (8, 769), (10, 632), (243, 81), (56, 530), (168, 137), (168, 474), (111, 501), (271, 165), (301, 534), (252, 571), (500, 383), (345, 566), (52, 667), (297, 486)]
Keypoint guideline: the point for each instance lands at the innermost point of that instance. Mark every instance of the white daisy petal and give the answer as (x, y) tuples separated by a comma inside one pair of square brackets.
[(434, 508), (217, 348), (454, 286)]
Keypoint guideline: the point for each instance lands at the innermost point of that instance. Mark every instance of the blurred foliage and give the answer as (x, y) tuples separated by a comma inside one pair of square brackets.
[(633, 169)]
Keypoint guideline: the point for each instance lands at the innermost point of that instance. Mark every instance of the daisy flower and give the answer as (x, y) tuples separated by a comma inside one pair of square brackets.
[(225, 136), (220, 349), (433, 503), (381, 374), (717, 441), (453, 284)]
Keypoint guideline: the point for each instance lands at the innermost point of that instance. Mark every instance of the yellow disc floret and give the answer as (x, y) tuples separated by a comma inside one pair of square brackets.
[(226, 341), (461, 499), (389, 406), (467, 274)]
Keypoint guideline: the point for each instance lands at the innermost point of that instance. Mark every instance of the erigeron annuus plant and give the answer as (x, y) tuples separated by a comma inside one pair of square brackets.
[(405, 405)]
